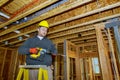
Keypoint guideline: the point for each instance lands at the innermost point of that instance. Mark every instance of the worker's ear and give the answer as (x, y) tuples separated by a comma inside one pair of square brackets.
[(38, 29)]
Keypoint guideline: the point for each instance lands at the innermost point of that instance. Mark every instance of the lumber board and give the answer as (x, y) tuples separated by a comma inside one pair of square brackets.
[(112, 52), (49, 2), (44, 16), (105, 65), (77, 64), (83, 24), (2, 2), (88, 55), (83, 38), (73, 31), (87, 13)]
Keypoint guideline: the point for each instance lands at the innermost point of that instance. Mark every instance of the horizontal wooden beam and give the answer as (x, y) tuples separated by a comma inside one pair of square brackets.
[(41, 6), (83, 24), (88, 54), (61, 39), (58, 39), (80, 44), (2, 2), (14, 42), (83, 38), (72, 54), (87, 44), (88, 40), (51, 13), (17, 35), (6, 48), (72, 32), (88, 13), (30, 31), (71, 37)]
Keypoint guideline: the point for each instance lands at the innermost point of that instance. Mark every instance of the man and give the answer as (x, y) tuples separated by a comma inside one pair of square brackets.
[(39, 44)]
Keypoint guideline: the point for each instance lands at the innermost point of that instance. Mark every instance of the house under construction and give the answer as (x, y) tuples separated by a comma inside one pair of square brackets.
[(86, 34)]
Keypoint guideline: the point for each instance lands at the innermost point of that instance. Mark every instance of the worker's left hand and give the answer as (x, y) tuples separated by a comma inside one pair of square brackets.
[(43, 51)]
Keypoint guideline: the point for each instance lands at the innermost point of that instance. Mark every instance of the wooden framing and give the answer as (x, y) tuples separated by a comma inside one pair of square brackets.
[(75, 54), (78, 71), (70, 54), (113, 55), (8, 63), (13, 65), (67, 21), (87, 23), (44, 16), (86, 14), (49, 2), (88, 55), (103, 55), (3, 63), (117, 39), (2, 2)]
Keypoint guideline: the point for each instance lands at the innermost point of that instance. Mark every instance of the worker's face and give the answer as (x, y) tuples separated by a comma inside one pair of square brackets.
[(42, 31)]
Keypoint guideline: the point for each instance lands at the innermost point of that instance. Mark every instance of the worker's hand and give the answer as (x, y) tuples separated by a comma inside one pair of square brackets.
[(43, 51), (33, 50)]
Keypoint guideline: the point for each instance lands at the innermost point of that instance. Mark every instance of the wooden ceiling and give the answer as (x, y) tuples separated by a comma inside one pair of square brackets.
[(74, 20)]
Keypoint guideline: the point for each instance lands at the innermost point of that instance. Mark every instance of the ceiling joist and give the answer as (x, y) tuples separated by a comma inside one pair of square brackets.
[(2, 2), (39, 7), (44, 16)]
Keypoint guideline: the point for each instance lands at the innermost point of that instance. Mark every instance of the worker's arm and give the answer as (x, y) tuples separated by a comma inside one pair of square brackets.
[(25, 48), (53, 50)]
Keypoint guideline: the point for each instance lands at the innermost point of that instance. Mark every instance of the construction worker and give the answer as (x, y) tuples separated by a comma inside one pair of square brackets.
[(39, 43)]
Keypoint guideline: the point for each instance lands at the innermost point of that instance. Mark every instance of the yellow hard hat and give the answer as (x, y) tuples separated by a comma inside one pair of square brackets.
[(44, 23)]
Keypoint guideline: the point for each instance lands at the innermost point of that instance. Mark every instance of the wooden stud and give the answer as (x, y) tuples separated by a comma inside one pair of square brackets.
[(116, 74), (12, 68), (77, 69), (3, 63), (103, 56)]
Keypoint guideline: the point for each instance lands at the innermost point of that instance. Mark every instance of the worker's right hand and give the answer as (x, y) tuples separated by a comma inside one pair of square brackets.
[(33, 50)]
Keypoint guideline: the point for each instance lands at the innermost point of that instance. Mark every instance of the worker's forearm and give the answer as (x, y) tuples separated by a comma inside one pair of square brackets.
[(22, 50)]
